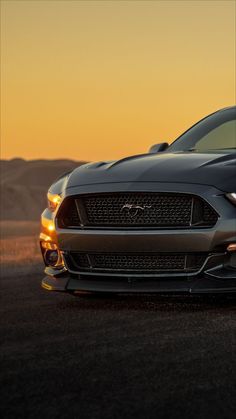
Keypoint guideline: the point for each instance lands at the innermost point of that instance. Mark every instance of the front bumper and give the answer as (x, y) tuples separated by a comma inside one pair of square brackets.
[(215, 276)]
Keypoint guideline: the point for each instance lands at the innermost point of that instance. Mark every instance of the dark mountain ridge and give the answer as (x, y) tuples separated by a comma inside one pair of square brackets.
[(24, 185)]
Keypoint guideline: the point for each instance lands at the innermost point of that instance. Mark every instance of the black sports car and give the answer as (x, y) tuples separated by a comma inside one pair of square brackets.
[(164, 221)]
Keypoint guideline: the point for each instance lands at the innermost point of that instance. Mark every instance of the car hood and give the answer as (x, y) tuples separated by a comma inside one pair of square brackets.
[(215, 169)]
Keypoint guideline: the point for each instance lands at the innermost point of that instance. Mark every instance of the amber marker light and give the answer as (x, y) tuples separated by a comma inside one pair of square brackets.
[(48, 245), (51, 227)]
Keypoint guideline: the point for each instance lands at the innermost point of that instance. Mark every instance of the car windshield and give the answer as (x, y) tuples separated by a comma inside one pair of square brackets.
[(217, 132)]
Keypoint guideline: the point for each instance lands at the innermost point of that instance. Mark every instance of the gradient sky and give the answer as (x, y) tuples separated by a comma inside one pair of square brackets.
[(96, 80)]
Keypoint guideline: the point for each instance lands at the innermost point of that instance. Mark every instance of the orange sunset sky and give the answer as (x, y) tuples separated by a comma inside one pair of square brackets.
[(96, 80)]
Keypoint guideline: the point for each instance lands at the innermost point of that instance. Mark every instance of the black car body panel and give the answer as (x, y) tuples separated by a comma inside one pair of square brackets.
[(212, 169), (147, 223)]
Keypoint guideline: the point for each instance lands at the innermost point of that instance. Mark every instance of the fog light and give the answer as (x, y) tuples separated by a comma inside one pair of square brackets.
[(52, 257)]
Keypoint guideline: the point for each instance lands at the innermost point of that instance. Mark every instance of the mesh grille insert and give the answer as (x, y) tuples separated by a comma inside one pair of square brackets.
[(175, 262), (137, 209)]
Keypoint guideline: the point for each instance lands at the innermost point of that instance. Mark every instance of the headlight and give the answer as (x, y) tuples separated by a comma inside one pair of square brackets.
[(232, 197), (53, 201)]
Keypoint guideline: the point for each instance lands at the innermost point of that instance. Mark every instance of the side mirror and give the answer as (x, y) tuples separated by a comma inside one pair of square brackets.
[(157, 148)]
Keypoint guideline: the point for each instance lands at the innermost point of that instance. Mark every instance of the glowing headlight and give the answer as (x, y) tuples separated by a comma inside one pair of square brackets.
[(232, 197), (53, 201)]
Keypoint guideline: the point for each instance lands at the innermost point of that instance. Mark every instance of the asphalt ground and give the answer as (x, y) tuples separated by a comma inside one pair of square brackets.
[(120, 357)]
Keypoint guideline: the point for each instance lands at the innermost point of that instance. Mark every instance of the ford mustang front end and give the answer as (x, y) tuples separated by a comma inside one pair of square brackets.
[(158, 222)]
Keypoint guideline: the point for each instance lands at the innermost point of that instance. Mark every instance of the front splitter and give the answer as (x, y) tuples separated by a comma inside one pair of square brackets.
[(202, 285)]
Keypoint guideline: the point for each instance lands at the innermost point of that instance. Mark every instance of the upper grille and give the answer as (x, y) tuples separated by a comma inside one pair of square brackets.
[(137, 209)]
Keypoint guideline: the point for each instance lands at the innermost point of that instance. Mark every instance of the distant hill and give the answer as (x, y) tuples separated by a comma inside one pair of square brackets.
[(24, 186)]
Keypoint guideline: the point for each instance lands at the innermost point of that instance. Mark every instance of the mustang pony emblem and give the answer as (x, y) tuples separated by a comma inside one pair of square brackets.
[(133, 210)]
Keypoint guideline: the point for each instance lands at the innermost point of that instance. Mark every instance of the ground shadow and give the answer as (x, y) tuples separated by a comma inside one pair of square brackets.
[(149, 302)]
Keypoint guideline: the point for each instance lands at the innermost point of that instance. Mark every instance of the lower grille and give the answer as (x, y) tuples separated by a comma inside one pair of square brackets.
[(139, 262)]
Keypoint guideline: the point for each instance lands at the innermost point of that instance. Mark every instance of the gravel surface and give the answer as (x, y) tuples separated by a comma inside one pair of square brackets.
[(120, 357)]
